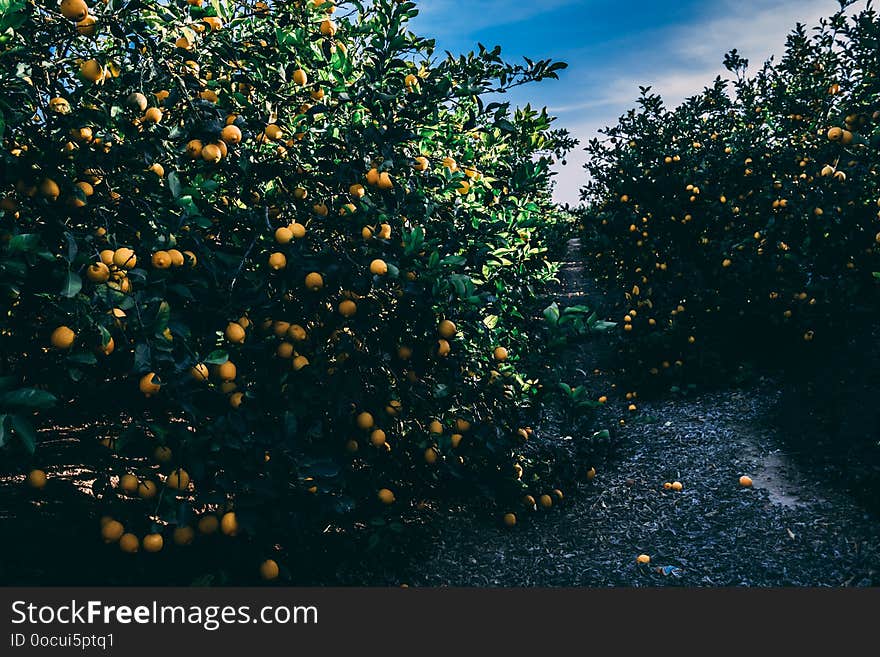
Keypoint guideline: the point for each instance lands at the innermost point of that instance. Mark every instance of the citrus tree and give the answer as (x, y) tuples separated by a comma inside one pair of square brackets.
[(281, 262), (744, 223)]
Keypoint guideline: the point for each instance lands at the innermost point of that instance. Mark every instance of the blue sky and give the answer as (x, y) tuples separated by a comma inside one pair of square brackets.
[(612, 47)]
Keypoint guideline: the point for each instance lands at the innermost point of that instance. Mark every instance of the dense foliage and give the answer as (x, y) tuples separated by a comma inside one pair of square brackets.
[(744, 223), (282, 261)]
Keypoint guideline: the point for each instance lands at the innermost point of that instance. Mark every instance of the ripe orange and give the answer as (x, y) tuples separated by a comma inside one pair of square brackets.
[(297, 230), (74, 10), (546, 501), (194, 148), (147, 489), (443, 348), (676, 486), (386, 496), (643, 559), (231, 134), (183, 535), (36, 479), (162, 454), (377, 438), (161, 260), (300, 77), (365, 421), (229, 524), (124, 258), (226, 371), (153, 115), (98, 272), (235, 333), (385, 181), (378, 267), (199, 372), (421, 163), (509, 519), (236, 399), (269, 570), (112, 531), (129, 483), (314, 281), (347, 308), (500, 354), (129, 543), (153, 542), (208, 524), (62, 338), (211, 153), (299, 362), (178, 479), (745, 481), (447, 329), (149, 384), (277, 261)]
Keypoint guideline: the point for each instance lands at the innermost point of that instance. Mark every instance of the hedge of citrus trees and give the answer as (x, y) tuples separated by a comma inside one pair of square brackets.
[(283, 258), (745, 223)]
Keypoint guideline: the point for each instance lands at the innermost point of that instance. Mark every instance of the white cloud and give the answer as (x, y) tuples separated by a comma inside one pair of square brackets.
[(677, 62)]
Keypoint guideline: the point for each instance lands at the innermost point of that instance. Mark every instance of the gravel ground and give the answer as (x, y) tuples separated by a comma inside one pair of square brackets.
[(787, 530)]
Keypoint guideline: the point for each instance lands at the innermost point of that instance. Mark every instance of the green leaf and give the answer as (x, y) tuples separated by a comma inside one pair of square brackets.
[(25, 430), (217, 357), (72, 285), (27, 398)]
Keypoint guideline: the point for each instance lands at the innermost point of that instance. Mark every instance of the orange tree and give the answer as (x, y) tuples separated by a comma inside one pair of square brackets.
[(280, 258), (744, 223)]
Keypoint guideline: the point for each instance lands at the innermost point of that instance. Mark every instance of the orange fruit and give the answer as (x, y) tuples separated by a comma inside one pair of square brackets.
[(745, 481), (208, 524), (231, 134), (229, 524), (676, 486), (300, 77), (235, 333), (147, 489), (447, 329), (129, 543), (277, 261), (269, 570), (74, 10), (509, 519), (112, 531), (149, 385), (183, 535), (199, 372), (643, 559), (178, 479), (162, 454), (500, 354), (365, 421), (36, 479), (129, 483), (153, 542), (347, 308), (161, 260), (377, 438), (226, 371), (378, 267), (62, 338), (386, 496), (314, 281)]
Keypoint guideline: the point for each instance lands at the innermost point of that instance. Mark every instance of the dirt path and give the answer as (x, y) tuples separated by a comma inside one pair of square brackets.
[(788, 529)]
